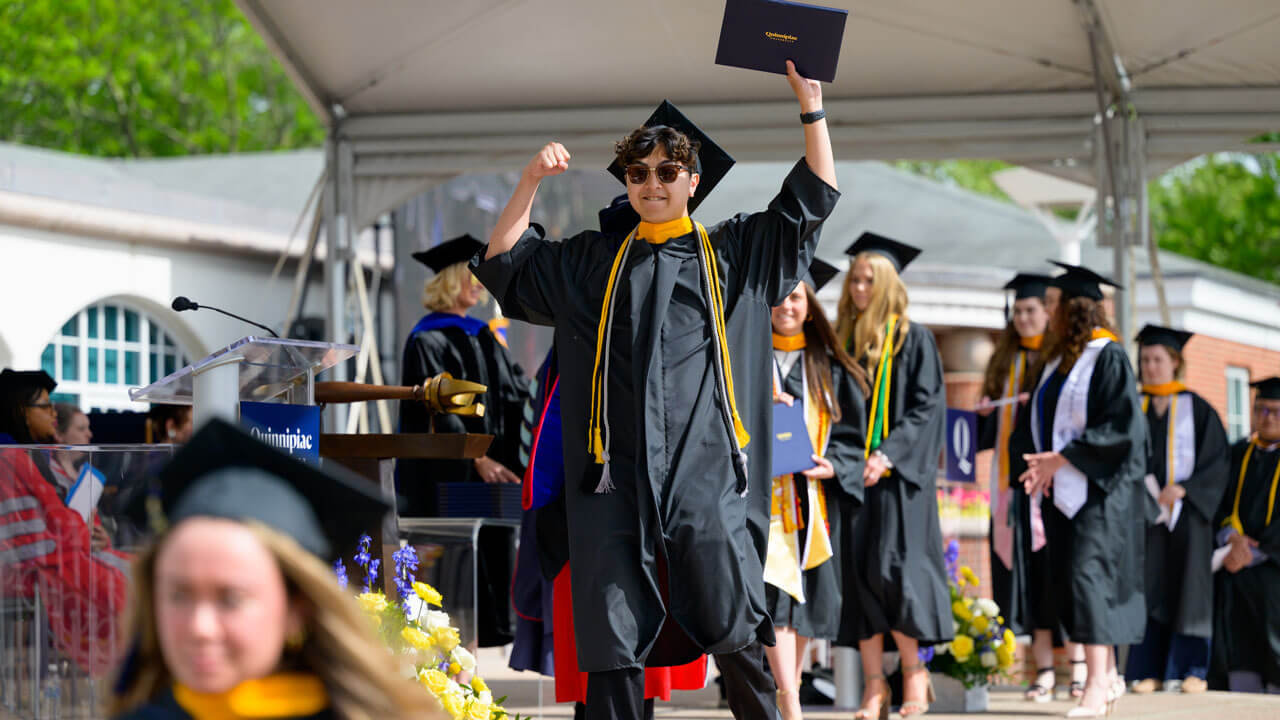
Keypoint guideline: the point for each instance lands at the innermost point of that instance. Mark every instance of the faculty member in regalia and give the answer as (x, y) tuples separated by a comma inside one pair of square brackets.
[(810, 508), (1246, 618), (1083, 445), (446, 339), (895, 581), (662, 337), (1186, 476)]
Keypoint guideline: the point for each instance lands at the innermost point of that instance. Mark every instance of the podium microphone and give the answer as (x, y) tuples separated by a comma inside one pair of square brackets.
[(181, 303)]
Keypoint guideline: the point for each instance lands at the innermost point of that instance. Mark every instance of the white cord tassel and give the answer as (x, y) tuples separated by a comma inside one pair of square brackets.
[(606, 481), (746, 487)]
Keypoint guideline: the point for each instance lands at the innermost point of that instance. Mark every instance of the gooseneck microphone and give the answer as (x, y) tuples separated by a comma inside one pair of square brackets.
[(181, 303)]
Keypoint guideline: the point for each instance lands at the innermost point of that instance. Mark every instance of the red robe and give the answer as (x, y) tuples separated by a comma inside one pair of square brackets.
[(46, 549)]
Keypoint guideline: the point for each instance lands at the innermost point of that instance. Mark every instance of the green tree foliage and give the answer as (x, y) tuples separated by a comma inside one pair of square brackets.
[(137, 78), (1223, 209)]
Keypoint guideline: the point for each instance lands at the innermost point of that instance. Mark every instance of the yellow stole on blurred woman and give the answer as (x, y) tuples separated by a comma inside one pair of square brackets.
[(798, 543)]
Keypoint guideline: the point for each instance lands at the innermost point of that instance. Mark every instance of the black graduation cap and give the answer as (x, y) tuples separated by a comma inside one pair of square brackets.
[(11, 380), (1159, 335), (712, 163), (223, 472), (900, 254), (820, 273), (619, 218), (449, 252), (1080, 281), (1028, 285), (1268, 388)]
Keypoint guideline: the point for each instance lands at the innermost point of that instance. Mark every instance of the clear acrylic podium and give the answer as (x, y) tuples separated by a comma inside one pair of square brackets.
[(251, 368)]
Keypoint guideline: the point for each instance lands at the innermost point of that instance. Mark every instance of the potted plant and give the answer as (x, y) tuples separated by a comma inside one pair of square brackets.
[(981, 648)]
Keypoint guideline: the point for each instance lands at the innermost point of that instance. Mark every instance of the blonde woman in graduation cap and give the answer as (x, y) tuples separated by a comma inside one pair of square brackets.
[(811, 507), (1080, 454), (237, 612), (895, 584)]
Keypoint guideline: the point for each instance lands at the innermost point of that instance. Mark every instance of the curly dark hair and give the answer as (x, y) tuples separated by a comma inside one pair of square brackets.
[(1071, 328), (642, 141)]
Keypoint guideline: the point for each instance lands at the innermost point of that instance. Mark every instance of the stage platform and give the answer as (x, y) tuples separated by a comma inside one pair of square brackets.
[(522, 691)]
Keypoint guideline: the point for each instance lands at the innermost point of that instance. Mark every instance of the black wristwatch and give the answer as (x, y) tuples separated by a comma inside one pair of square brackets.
[(812, 117)]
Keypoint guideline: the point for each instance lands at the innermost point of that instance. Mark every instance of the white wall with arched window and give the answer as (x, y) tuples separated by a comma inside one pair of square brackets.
[(105, 349)]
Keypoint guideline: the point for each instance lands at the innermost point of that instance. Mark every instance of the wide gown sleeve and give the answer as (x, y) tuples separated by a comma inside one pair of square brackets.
[(1208, 479), (848, 436)]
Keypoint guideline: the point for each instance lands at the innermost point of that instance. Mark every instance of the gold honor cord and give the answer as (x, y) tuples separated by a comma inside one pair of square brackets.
[(1234, 519), (1016, 370), (597, 429)]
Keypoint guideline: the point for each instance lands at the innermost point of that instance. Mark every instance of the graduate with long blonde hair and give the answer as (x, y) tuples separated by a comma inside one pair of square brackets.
[(236, 611), (895, 581)]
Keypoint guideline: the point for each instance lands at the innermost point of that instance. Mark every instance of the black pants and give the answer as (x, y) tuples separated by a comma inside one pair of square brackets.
[(619, 694)]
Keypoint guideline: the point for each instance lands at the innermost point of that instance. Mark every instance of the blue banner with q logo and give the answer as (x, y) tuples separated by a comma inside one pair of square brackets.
[(962, 435), (292, 429)]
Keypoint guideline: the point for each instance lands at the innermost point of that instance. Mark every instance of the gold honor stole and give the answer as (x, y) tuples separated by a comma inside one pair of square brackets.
[(1233, 519), (598, 434), (285, 695), (785, 560)]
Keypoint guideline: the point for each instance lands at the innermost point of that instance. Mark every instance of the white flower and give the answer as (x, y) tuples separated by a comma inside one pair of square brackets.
[(486, 697), (943, 649), (464, 658), (988, 607), (988, 659), (955, 627), (435, 619)]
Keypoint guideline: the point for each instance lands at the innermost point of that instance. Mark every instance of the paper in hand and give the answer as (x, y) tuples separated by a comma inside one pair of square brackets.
[(83, 497)]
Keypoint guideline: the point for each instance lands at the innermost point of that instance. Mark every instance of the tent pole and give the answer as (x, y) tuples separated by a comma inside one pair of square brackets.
[(335, 277)]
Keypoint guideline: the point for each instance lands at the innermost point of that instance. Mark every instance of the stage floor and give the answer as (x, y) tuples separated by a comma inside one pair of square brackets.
[(522, 691)]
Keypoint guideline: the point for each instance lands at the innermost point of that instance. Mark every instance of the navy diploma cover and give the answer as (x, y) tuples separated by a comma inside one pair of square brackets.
[(764, 34)]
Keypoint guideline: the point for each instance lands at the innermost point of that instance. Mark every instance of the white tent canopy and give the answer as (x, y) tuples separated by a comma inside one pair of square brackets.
[(417, 91)]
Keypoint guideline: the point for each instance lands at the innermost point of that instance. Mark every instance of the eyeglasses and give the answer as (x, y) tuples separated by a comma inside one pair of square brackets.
[(1264, 411), (638, 174)]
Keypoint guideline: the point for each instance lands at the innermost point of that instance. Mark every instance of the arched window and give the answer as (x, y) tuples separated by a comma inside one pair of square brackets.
[(104, 350)]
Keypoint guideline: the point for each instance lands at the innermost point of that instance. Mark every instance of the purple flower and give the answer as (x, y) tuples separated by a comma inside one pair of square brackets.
[(362, 557), (952, 556), (371, 574), (925, 654), (341, 571)]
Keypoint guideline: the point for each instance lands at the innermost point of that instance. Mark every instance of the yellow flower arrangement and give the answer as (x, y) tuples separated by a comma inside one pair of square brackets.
[(961, 611), (967, 573), (962, 647), (979, 625), (981, 647), (416, 628)]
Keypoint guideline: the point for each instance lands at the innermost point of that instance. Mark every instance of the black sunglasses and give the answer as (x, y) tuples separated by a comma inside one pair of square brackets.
[(638, 174)]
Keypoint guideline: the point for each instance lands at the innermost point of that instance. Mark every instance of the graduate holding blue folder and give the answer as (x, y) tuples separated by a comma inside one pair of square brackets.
[(813, 376)]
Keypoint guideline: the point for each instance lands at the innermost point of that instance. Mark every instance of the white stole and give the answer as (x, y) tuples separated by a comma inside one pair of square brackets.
[(1070, 486)]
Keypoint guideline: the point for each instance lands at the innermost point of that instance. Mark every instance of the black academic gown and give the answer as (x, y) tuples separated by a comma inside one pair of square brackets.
[(478, 358), (165, 707), (676, 502), (895, 577), (1246, 618), (1091, 582), (1002, 578), (1179, 583), (819, 615)]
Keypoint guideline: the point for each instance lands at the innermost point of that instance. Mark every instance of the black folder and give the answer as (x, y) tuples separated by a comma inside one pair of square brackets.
[(764, 34)]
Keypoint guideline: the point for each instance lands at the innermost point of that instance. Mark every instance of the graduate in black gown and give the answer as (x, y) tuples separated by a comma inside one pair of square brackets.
[(895, 580), (1246, 617), (662, 338), (237, 612), (446, 339), (809, 509), (1019, 577), (1186, 476), (1083, 445)]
